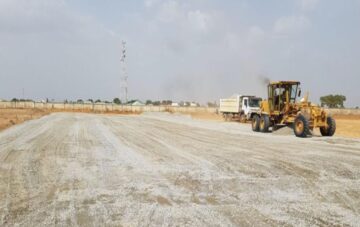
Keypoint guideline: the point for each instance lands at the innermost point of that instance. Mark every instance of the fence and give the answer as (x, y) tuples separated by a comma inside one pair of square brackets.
[(344, 111), (108, 107), (103, 107)]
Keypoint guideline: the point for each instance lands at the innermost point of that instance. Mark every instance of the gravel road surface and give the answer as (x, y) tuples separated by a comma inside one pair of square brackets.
[(71, 169)]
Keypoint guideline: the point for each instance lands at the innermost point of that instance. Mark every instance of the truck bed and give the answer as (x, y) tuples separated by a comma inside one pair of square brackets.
[(230, 105)]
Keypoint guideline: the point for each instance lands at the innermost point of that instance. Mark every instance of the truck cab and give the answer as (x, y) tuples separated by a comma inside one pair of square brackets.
[(250, 105)]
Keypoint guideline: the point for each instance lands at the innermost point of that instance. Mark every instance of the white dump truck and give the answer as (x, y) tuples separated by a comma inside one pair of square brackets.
[(239, 107)]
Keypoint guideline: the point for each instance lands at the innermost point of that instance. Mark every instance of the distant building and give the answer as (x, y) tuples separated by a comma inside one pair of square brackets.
[(175, 104), (138, 103), (193, 104), (184, 103)]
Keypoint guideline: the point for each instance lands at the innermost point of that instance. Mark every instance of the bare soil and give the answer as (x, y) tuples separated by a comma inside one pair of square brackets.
[(347, 117), (73, 169), (346, 125), (10, 117)]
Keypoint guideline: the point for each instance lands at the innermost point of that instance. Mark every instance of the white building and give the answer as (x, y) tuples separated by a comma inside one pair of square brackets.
[(137, 103)]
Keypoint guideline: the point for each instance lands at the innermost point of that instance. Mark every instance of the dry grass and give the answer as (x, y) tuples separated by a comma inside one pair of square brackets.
[(348, 125), (206, 116), (346, 117), (10, 117)]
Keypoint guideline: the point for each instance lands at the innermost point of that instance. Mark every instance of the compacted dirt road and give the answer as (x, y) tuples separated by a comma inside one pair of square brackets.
[(95, 170)]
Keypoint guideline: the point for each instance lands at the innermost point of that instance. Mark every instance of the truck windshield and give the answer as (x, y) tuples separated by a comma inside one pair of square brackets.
[(254, 102)]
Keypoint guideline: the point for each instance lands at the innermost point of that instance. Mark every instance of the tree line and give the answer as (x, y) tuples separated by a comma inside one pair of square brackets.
[(115, 101), (333, 101), (329, 101)]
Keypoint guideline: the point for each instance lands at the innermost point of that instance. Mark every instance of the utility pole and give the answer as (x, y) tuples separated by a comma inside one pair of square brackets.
[(124, 76)]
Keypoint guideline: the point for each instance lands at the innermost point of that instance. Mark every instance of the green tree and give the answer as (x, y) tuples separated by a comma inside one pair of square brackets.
[(90, 100), (97, 101), (80, 101), (156, 103), (117, 101), (148, 102), (14, 100), (166, 102), (333, 101)]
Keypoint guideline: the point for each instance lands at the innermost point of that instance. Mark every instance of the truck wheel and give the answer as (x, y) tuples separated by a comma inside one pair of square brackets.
[(264, 123), (255, 123), (330, 129), (243, 118), (301, 126)]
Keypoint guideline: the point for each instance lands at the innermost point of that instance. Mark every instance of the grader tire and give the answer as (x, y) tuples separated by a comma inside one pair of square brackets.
[(264, 123), (255, 123), (301, 126), (330, 129)]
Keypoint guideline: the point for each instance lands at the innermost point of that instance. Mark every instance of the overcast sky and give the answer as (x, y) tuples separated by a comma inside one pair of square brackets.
[(196, 50)]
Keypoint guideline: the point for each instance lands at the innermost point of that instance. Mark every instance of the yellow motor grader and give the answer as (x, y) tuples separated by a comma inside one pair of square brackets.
[(282, 109)]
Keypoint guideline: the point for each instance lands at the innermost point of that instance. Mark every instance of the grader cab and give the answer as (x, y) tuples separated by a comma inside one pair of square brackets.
[(282, 109)]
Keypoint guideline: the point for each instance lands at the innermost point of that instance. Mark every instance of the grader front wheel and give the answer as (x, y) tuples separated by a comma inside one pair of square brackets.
[(330, 129), (264, 123), (255, 123), (301, 126)]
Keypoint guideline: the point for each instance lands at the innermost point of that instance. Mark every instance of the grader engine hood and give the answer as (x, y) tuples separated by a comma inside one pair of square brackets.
[(264, 106), (314, 113)]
